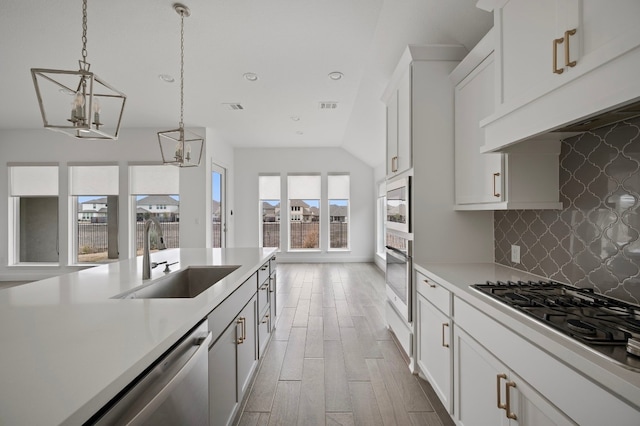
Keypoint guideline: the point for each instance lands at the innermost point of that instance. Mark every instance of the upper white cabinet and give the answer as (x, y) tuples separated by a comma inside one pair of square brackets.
[(558, 62), (398, 101), (525, 177)]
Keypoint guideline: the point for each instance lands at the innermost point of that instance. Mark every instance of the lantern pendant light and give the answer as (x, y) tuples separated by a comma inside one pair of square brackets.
[(180, 147), (79, 103)]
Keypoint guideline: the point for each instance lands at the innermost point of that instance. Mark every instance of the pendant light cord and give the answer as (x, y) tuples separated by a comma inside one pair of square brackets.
[(84, 31), (181, 69)]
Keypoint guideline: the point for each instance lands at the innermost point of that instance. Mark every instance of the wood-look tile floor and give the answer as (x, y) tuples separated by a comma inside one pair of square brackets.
[(331, 360)]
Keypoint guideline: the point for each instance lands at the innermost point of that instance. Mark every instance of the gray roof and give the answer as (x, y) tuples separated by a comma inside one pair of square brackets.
[(164, 200)]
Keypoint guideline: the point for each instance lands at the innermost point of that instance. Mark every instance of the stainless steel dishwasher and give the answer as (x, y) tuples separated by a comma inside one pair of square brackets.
[(173, 391)]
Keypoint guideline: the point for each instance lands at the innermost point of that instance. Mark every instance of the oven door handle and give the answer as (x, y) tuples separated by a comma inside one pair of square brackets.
[(396, 251)]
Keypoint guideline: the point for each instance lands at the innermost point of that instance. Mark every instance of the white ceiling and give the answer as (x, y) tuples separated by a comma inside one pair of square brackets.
[(291, 44)]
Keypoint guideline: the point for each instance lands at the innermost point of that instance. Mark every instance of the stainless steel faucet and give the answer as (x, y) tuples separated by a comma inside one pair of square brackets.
[(146, 261)]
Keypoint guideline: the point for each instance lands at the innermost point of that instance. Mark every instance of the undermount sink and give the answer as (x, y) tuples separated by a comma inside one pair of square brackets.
[(186, 283)]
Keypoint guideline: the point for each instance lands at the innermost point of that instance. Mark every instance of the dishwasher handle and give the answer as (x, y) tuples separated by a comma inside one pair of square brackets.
[(157, 400)]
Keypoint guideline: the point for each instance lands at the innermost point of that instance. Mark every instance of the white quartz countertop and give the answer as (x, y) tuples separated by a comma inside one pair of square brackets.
[(67, 347), (457, 278)]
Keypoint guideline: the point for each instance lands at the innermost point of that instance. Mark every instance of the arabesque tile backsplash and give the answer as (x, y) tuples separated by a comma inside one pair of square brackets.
[(594, 242)]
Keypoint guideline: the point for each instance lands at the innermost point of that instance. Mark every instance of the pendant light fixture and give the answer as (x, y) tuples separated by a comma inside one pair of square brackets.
[(79, 103), (180, 147)]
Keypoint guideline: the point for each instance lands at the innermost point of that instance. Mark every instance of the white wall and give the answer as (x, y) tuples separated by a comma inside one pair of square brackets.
[(133, 146), (249, 163)]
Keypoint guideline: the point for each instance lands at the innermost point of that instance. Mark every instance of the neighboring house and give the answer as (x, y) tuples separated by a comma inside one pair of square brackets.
[(338, 213), (270, 213), (94, 211), (215, 211), (163, 207)]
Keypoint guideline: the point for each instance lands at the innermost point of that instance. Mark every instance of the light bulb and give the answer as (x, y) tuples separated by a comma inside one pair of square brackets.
[(188, 153), (77, 111), (178, 155), (96, 112)]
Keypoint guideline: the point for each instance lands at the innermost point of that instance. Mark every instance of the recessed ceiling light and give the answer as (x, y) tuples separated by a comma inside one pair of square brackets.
[(299, 132), (295, 118), (166, 78), (249, 76), (335, 75)]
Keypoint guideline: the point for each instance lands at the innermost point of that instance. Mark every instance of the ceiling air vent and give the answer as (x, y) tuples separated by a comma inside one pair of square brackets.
[(233, 106), (328, 105)]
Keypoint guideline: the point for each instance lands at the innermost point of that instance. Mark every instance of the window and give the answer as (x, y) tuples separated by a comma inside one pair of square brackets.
[(157, 186), (338, 195), (381, 212), (33, 214), (218, 225), (94, 193), (269, 205), (304, 212)]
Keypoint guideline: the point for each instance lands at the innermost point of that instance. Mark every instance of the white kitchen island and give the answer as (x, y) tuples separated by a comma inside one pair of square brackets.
[(68, 347)]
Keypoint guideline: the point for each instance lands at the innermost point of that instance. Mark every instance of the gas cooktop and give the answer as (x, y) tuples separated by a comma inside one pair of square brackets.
[(606, 325)]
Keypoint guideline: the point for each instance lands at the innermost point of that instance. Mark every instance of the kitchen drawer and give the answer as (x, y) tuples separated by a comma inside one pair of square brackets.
[(264, 332), (263, 274), (439, 296), (263, 296), (226, 312)]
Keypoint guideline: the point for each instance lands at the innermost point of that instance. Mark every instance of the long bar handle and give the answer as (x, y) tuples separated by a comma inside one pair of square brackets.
[(499, 398), (556, 42), (429, 284), (243, 335), (444, 324), (567, 55), (394, 164), (510, 414), (495, 194)]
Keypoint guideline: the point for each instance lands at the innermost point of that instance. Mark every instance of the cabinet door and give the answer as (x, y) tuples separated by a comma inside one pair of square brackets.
[(247, 346), (434, 349), (487, 392), (478, 177), (392, 135), (404, 121), (223, 395), (476, 374), (528, 31)]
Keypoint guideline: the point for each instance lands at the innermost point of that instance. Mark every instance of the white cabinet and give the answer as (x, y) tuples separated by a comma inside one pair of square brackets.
[(487, 392), (525, 177), (434, 354), (558, 62), (399, 126), (494, 368)]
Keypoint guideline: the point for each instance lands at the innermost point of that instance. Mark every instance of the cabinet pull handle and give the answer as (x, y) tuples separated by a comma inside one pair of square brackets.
[(499, 403), (394, 164), (444, 324), (495, 194), (567, 56), (241, 321), (266, 318), (556, 42), (429, 284), (510, 414)]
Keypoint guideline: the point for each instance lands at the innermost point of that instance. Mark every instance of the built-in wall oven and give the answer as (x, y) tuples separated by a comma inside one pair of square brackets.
[(398, 214), (398, 272)]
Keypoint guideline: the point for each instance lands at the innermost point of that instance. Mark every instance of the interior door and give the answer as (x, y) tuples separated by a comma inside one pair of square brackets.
[(218, 206)]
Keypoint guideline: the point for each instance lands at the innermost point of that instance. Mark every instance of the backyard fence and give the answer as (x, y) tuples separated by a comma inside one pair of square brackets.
[(306, 234)]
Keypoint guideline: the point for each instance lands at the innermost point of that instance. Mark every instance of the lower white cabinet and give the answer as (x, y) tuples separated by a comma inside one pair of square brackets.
[(434, 356), (434, 349), (488, 393)]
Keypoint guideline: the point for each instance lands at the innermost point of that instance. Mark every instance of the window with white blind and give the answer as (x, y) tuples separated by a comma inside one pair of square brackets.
[(338, 194), (269, 208), (304, 211), (94, 220), (33, 214), (155, 193)]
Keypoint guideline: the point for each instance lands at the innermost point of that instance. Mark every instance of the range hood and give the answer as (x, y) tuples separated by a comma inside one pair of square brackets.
[(603, 119)]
